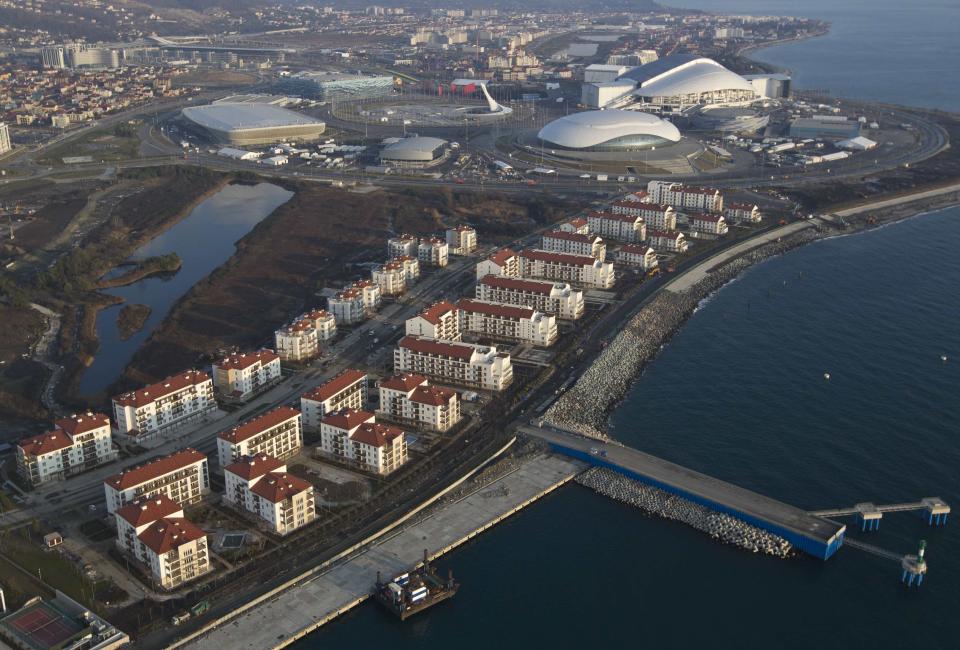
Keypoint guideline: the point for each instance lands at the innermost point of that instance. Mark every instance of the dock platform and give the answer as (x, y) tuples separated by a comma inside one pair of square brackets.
[(301, 609), (809, 533)]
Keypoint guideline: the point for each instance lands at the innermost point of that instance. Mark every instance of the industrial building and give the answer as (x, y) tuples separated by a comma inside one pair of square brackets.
[(418, 151), (824, 126), (246, 123), (333, 86), (5, 143)]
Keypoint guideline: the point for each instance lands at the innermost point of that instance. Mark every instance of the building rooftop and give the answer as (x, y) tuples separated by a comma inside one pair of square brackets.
[(497, 309), (145, 511), (338, 384), (168, 386), (250, 467), (244, 360), (167, 534), (279, 486), (81, 423), (347, 419), (154, 469), (405, 382), (258, 425), (244, 116), (376, 434)]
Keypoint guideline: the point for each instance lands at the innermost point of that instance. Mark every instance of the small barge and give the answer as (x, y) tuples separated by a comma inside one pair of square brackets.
[(413, 592)]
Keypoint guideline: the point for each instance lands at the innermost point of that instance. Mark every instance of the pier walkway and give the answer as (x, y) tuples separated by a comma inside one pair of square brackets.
[(301, 609), (807, 532)]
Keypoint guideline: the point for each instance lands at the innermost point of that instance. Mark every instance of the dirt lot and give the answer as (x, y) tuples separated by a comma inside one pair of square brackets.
[(313, 241)]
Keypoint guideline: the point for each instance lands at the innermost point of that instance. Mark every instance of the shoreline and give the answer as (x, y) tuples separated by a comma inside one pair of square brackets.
[(588, 406)]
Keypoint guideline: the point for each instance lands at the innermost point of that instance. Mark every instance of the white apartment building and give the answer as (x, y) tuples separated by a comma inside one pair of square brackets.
[(461, 240), (5, 144), (670, 242), (371, 294), (402, 245), (411, 399), (298, 341), (276, 433), (182, 476), (577, 225), (322, 321), (478, 366), (654, 215), (411, 268), (576, 269), (638, 255), (503, 262), (155, 532), (391, 278), (710, 224), (241, 375), (433, 251), (438, 321), (620, 227), (557, 298), (77, 443), (171, 403), (560, 241), (702, 199), (742, 213), (347, 390), (357, 439), (261, 486), (498, 320), (347, 306)]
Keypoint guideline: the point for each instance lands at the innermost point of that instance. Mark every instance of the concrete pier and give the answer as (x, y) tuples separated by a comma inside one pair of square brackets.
[(807, 532), (301, 609)]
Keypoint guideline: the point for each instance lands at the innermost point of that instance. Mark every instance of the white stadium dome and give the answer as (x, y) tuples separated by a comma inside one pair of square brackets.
[(253, 123), (698, 76), (609, 130)]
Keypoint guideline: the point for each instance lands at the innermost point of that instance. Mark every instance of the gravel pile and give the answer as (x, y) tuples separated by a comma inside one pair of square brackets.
[(654, 501), (584, 408)]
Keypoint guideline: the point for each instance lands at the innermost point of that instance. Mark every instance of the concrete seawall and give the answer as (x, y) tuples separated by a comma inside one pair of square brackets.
[(300, 609)]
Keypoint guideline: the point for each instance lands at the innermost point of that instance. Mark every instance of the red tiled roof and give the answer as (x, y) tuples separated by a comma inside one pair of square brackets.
[(433, 241), (578, 222), (259, 424), (464, 228), (559, 258), (45, 443), (640, 205), (167, 534), (499, 309), (403, 238), (712, 218), (433, 313), (405, 382), (502, 256), (81, 423), (335, 386), (246, 359), (438, 348), (315, 315), (695, 190), (154, 469), (666, 234), (518, 284), (376, 434), (168, 386), (432, 395), (635, 249), (363, 284), (250, 467), (347, 419), (279, 486), (741, 206), (571, 236), (145, 511), (610, 216)]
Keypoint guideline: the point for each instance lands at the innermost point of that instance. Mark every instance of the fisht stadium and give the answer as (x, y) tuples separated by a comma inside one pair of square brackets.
[(673, 83), (609, 131), (252, 123)]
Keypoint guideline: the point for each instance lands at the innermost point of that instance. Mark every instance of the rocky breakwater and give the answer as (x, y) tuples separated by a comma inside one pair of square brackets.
[(655, 501), (585, 407)]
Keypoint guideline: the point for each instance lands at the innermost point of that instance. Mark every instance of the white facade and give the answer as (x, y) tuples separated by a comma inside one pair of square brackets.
[(504, 262), (410, 398), (670, 242), (578, 225), (298, 341), (182, 477), (5, 144), (322, 321), (557, 298), (402, 246), (356, 303), (654, 215), (77, 443), (711, 224), (241, 375), (433, 251), (702, 199), (260, 485), (620, 227), (742, 213), (576, 269), (478, 366), (411, 268), (560, 241), (346, 390), (637, 255), (356, 438), (150, 411), (438, 321), (461, 240), (503, 321), (276, 433), (391, 278)]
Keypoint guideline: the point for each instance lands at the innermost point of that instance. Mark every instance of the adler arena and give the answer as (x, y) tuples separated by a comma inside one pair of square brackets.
[(244, 123)]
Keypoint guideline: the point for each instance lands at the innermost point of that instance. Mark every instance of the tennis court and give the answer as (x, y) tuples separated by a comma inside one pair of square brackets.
[(42, 626)]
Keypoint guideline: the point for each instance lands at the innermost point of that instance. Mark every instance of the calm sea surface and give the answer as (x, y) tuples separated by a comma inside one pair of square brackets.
[(740, 394)]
